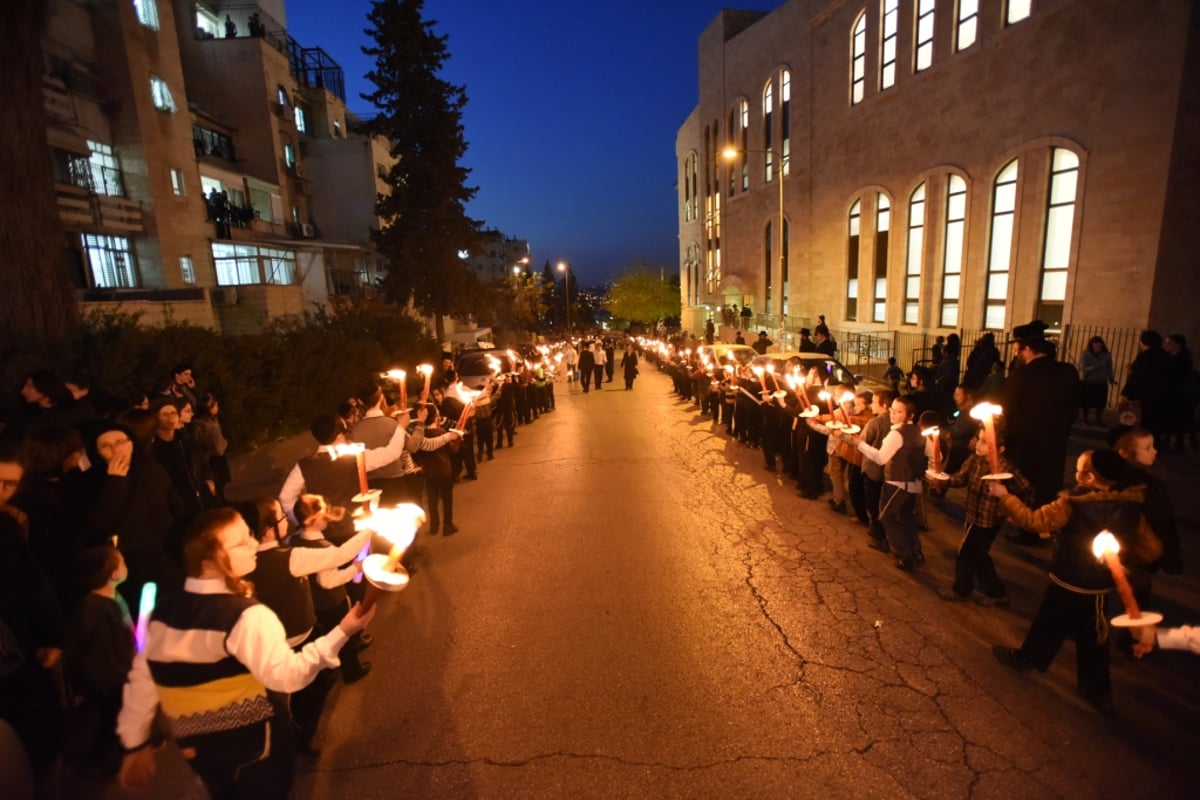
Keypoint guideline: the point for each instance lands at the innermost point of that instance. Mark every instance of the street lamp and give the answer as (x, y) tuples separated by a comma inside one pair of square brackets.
[(565, 269), (730, 153)]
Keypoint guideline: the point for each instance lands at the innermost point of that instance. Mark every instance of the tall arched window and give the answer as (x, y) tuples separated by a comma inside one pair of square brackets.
[(783, 263), (695, 273), (890, 12), (731, 165), (768, 263), (768, 108), (968, 24), (952, 258), (923, 57), (1060, 222), (883, 224), (914, 257), (858, 59), (1004, 208), (1016, 10), (785, 121), (691, 199), (745, 154), (852, 231)]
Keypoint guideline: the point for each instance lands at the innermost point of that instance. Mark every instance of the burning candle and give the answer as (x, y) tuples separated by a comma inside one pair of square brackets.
[(760, 373), (1106, 547), (771, 371), (427, 371), (935, 435), (847, 397), (399, 526), (987, 412), (468, 397), (828, 398), (400, 377), (359, 451), (145, 608)]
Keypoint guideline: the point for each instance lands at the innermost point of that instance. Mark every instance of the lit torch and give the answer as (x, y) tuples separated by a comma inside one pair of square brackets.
[(987, 412), (400, 377), (385, 573), (427, 371), (935, 436), (359, 451)]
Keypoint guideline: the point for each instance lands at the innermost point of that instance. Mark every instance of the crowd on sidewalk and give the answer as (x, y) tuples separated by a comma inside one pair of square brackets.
[(880, 456)]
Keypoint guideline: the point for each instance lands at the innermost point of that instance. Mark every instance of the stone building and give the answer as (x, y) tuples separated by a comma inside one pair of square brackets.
[(204, 162), (945, 165)]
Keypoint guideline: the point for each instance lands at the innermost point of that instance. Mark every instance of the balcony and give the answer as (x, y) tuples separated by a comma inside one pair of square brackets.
[(60, 106), (80, 208)]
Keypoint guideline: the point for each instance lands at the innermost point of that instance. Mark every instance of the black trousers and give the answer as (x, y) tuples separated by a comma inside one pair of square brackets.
[(229, 762), (898, 513), (974, 565), (871, 491), (858, 492), (505, 425), (1063, 614), (439, 498), (484, 434), (598, 375)]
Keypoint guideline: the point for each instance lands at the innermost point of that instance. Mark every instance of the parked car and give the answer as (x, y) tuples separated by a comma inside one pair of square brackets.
[(830, 369), (474, 367), (722, 353)]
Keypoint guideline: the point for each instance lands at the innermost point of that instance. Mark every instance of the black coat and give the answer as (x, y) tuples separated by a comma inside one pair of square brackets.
[(1041, 399)]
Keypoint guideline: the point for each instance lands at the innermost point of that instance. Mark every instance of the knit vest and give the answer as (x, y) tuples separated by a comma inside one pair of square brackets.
[(323, 599), (279, 590), (909, 462), (337, 481), (201, 687), (376, 432)]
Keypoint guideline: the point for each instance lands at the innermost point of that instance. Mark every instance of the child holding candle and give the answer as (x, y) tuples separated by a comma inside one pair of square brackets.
[(974, 564), (1104, 498)]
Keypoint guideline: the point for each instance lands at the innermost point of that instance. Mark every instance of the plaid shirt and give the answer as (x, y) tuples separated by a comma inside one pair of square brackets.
[(982, 508)]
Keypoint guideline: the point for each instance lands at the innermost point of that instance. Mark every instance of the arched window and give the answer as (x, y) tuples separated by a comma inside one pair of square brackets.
[(768, 264), (783, 264), (785, 121), (1016, 10), (914, 257), (968, 23), (690, 198), (858, 59), (952, 258), (923, 58), (732, 165), (852, 231), (695, 273), (1004, 208), (768, 108), (890, 12), (1060, 221), (883, 224), (745, 155)]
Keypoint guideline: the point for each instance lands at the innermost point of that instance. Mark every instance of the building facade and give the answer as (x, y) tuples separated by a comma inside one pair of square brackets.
[(201, 160), (942, 165), (497, 255)]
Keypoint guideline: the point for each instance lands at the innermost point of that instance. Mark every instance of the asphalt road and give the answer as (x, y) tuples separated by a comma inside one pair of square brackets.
[(634, 608)]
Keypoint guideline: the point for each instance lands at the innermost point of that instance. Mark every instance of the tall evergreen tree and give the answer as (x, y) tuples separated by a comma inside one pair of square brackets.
[(38, 302), (424, 218)]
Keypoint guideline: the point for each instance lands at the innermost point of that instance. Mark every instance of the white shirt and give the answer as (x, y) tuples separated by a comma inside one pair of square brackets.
[(1185, 637), (315, 560), (293, 485), (888, 448), (333, 575)]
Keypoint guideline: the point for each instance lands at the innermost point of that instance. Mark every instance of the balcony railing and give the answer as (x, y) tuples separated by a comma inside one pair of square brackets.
[(79, 208)]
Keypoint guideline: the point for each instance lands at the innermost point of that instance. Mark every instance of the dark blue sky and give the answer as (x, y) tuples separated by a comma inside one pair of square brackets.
[(572, 109)]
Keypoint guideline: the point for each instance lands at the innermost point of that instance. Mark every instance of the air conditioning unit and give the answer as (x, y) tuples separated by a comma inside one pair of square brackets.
[(308, 231)]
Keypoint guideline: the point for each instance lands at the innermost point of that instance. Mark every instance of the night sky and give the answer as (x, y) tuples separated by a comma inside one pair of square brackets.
[(572, 109)]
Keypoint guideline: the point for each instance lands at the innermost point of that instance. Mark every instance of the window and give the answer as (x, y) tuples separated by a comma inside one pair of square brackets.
[(301, 117), (968, 21), (689, 187), (147, 13), (732, 163), (783, 265), (858, 60), (924, 52), (785, 121), (1004, 206), (337, 129), (281, 96), (187, 270), (207, 24), (852, 261), (296, 214), (952, 259), (768, 265), (111, 261), (887, 62), (289, 154), (1016, 10), (745, 129), (210, 143), (1060, 220), (883, 224), (105, 172), (768, 106), (238, 264), (177, 182), (160, 93), (915, 256)]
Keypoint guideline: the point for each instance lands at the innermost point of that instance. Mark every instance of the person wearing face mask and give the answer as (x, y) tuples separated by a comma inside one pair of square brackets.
[(217, 662)]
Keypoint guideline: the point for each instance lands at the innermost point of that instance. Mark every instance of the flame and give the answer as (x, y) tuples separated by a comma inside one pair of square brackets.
[(847, 397), (771, 367), (347, 449), (1105, 544), (394, 374), (985, 410), (934, 431), (425, 369), (824, 395), (398, 525)]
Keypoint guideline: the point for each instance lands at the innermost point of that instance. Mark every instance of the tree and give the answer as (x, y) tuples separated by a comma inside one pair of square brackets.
[(425, 224), (642, 296), (38, 302)]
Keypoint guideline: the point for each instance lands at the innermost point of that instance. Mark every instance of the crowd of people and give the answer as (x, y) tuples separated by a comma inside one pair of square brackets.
[(884, 457), (143, 604)]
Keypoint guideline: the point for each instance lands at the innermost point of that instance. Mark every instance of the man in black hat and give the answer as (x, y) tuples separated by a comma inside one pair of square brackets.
[(762, 343), (1041, 400), (807, 345)]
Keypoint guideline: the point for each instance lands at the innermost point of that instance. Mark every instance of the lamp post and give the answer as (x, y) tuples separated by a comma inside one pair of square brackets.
[(565, 269), (730, 153)]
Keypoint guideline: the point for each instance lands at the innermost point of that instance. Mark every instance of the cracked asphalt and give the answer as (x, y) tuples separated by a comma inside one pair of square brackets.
[(635, 608)]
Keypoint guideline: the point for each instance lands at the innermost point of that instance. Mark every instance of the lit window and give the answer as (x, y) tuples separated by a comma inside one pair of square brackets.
[(1004, 207), (105, 172), (1060, 220), (187, 270), (883, 224), (160, 93), (289, 154), (783, 266), (296, 214), (1016, 10), (238, 264), (915, 255), (785, 121), (337, 129), (968, 22), (924, 54), (887, 61), (745, 129), (858, 60), (768, 266), (768, 108), (207, 24), (732, 166), (301, 121), (281, 95), (852, 260), (177, 182), (147, 13), (952, 259), (111, 261)]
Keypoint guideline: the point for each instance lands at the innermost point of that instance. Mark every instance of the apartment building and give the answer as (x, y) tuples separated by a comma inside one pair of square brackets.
[(942, 165), (202, 162)]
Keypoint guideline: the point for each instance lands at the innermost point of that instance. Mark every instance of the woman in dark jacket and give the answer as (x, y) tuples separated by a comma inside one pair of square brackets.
[(979, 363), (629, 366)]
